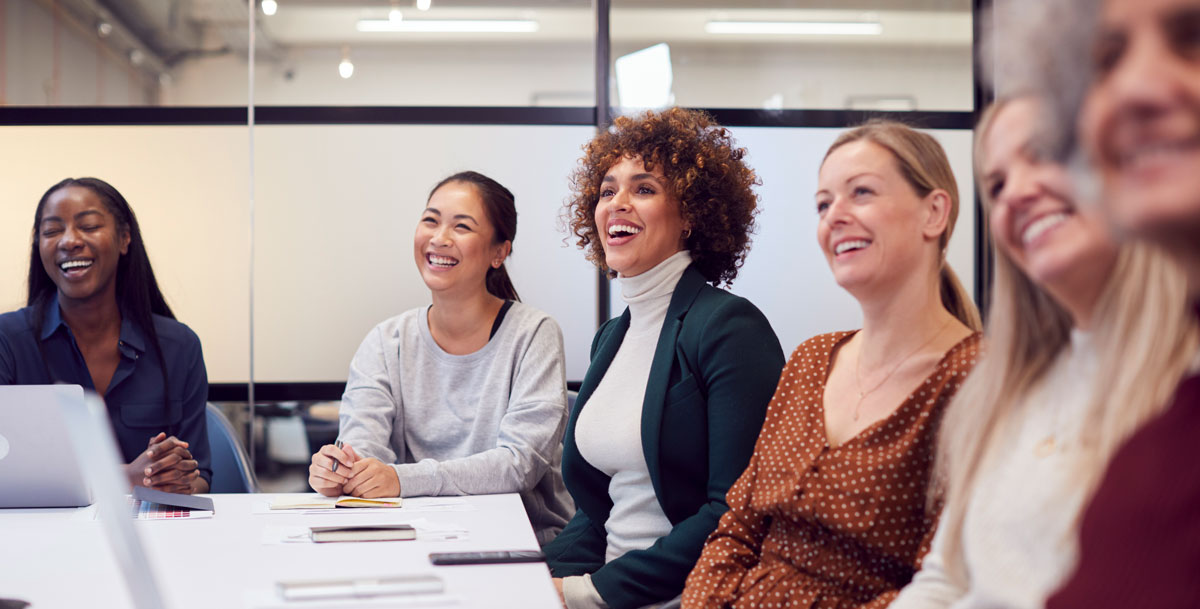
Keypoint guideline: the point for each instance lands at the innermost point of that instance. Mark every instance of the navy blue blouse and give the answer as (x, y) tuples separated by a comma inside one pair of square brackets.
[(135, 394)]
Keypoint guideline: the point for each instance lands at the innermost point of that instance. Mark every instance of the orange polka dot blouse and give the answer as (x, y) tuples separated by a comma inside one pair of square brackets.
[(814, 526)]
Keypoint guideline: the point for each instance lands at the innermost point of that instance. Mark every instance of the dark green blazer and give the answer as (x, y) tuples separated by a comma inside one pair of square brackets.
[(715, 368)]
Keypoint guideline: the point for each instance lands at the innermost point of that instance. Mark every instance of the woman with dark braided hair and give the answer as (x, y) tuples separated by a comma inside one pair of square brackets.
[(95, 317)]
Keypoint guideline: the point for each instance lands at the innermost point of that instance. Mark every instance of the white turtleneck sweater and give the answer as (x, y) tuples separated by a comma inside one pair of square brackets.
[(1019, 530), (609, 429)]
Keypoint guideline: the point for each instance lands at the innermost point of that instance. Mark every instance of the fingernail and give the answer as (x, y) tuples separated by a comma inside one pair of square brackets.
[(148, 472), (150, 453), (146, 481)]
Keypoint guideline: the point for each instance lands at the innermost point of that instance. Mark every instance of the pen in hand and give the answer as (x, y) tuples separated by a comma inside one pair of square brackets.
[(335, 461)]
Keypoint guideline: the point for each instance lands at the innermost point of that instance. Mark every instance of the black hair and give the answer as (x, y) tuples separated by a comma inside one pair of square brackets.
[(501, 209), (138, 296)]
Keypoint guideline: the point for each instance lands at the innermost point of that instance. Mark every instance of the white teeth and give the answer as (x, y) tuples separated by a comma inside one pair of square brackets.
[(442, 260), (846, 246), (1041, 225), (623, 228), (74, 264)]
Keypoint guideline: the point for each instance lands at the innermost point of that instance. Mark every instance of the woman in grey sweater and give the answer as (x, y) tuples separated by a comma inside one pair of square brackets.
[(468, 395)]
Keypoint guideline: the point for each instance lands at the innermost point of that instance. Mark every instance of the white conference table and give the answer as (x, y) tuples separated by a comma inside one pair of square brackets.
[(62, 558)]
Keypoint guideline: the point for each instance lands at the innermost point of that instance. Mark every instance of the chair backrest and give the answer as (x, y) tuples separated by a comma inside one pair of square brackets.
[(571, 397), (230, 465)]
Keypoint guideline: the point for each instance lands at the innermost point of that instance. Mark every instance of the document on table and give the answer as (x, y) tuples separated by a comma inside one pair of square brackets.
[(268, 598), (320, 502), (315, 504)]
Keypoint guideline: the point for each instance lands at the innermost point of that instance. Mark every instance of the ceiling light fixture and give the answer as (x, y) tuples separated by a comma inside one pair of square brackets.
[(104, 29), (395, 14), (269, 7), (450, 26), (796, 28), (136, 57), (346, 67), (423, 5)]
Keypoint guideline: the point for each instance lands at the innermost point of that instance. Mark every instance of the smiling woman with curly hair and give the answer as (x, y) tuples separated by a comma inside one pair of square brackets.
[(678, 386), (704, 172)]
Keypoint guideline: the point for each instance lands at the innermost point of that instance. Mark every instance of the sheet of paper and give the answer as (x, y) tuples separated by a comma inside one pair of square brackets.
[(267, 598), (437, 504), (411, 504), (314, 501)]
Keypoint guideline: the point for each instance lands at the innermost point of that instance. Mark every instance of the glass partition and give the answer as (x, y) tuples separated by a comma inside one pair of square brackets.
[(334, 205), (124, 53), (438, 53), (793, 54)]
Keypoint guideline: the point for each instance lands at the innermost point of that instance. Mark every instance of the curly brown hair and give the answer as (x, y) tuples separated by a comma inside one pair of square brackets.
[(704, 170)]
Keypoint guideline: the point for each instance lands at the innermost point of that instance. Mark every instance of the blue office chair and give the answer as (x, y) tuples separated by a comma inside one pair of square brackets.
[(230, 465)]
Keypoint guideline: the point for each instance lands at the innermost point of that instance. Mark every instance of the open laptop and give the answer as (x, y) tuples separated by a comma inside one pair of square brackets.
[(38, 465), (90, 432)]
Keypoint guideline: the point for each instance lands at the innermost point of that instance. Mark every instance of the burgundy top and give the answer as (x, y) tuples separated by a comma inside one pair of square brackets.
[(1139, 541), (815, 526)]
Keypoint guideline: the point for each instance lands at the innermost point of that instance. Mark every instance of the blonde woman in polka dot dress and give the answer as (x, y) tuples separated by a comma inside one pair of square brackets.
[(1086, 341), (832, 510)]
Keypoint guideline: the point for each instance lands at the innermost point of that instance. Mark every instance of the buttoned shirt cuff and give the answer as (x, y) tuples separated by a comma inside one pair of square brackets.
[(579, 593)]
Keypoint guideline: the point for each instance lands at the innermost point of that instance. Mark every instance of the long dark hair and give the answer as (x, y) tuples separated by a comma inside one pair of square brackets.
[(138, 296), (501, 209)]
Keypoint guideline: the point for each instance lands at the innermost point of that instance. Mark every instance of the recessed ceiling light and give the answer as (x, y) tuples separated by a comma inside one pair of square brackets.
[(423, 5), (449, 26), (104, 29), (269, 7), (346, 67), (796, 28)]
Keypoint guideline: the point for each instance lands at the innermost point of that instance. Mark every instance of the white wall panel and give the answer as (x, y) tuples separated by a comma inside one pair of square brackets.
[(338, 207)]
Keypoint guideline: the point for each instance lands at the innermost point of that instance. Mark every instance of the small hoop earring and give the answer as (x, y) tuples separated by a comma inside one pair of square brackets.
[(687, 234)]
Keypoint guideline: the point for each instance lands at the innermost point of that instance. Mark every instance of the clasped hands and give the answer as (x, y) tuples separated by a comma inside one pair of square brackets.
[(356, 476), (166, 465)]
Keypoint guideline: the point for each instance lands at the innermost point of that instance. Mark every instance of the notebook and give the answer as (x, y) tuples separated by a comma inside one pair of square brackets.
[(379, 532), (318, 502)]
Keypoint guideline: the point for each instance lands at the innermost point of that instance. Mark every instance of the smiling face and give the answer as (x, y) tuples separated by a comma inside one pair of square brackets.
[(453, 246), (80, 244), (1141, 119), (1033, 216), (874, 228), (638, 218)]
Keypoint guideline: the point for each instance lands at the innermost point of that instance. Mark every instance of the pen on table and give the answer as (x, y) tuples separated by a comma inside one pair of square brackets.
[(335, 461)]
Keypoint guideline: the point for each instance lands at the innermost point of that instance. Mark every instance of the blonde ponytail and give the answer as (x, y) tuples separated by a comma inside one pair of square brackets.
[(956, 299)]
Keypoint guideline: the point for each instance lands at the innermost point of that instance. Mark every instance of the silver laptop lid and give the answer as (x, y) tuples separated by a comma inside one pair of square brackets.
[(91, 434), (37, 468)]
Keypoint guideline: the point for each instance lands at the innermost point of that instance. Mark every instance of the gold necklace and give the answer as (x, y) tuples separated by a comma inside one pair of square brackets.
[(862, 395)]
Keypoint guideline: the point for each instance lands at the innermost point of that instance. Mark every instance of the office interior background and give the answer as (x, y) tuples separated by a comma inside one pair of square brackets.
[(282, 241)]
